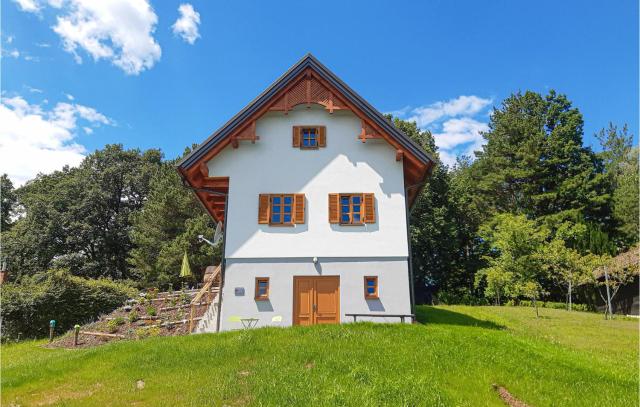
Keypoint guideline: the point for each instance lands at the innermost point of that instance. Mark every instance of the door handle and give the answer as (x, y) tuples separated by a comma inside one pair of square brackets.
[(315, 307)]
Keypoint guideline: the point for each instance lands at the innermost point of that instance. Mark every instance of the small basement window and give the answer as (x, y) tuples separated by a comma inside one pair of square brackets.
[(281, 210), (351, 212), (262, 288), (371, 287)]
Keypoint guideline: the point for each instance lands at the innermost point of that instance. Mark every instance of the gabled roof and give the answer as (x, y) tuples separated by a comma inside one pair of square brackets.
[(308, 81)]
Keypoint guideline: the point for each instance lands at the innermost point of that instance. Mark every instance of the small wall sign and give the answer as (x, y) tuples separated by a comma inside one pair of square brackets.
[(239, 291)]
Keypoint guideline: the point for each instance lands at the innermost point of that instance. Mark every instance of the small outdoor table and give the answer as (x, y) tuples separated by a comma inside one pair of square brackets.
[(249, 322)]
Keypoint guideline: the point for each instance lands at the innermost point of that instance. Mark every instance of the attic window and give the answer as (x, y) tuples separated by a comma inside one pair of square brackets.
[(309, 137)]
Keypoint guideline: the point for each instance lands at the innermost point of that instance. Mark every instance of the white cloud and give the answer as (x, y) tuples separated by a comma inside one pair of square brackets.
[(460, 106), (69, 96), (33, 90), (88, 130), (14, 53), (120, 31), (30, 6), (9, 39), (456, 124), (34, 140), (42, 44), (460, 136), (186, 26)]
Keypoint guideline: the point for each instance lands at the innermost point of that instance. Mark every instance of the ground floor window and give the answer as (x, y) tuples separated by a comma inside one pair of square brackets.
[(371, 287), (262, 288)]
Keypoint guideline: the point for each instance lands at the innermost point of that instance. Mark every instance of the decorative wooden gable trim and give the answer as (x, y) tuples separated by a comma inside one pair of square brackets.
[(306, 82), (306, 90), (248, 132), (367, 132)]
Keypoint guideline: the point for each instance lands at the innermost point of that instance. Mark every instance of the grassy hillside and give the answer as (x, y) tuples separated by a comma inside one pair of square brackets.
[(560, 359)]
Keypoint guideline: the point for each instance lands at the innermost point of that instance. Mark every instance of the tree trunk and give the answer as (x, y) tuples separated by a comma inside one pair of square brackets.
[(570, 289), (535, 304), (606, 279)]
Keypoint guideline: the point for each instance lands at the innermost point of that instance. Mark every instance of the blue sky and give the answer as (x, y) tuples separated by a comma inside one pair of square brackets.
[(78, 74)]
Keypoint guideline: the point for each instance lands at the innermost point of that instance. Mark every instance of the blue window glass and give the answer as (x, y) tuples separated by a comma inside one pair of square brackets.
[(356, 217), (345, 200), (287, 209), (276, 199), (355, 199), (287, 218), (356, 208), (345, 218), (288, 200), (370, 282), (305, 143), (276, 209), (275, 218), (371, 290)]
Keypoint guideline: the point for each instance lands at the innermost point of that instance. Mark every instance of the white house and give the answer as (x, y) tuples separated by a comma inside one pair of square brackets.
[(313, 186)]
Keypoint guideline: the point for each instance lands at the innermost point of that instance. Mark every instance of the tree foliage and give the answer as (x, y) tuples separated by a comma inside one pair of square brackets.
[(8, 201), (79, 218), (168, 226)]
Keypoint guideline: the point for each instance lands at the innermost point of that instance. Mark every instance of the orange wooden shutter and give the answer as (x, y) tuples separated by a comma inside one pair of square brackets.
[(322, 136), (369, 208), (334, 214), (263, 208), (298, 208), (296, 136)]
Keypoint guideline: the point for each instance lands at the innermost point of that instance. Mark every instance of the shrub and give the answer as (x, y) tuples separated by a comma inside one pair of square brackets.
[(142, 333), (28, 306), (151, 311), (112, 326), (455, 298), (553, 305), (133, 316)]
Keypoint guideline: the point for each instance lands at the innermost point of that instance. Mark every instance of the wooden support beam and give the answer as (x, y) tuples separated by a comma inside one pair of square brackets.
[(399, 154), (204, 169)]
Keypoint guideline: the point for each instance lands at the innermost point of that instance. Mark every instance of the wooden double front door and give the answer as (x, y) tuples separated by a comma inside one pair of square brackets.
[(316, 300)]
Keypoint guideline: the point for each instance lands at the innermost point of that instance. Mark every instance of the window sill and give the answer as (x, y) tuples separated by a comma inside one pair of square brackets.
[(261, 299)]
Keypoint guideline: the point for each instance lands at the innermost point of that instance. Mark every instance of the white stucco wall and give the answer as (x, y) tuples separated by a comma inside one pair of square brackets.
[(393, 288), (272, 165)]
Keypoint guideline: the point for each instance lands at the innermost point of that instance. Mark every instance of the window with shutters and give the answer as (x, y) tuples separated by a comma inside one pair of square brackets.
[(309, 137), (352, 208), (262, 288), (371, 287), (281, 209)]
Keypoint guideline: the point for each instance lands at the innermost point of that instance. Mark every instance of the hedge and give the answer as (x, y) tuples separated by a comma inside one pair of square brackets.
[(554, 305), (28, 306)]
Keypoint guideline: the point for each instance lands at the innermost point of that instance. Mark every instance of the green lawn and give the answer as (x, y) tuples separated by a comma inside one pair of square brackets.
[(562, 358)]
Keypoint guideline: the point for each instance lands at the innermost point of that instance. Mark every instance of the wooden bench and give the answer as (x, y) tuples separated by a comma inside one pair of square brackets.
[(401, 316)]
